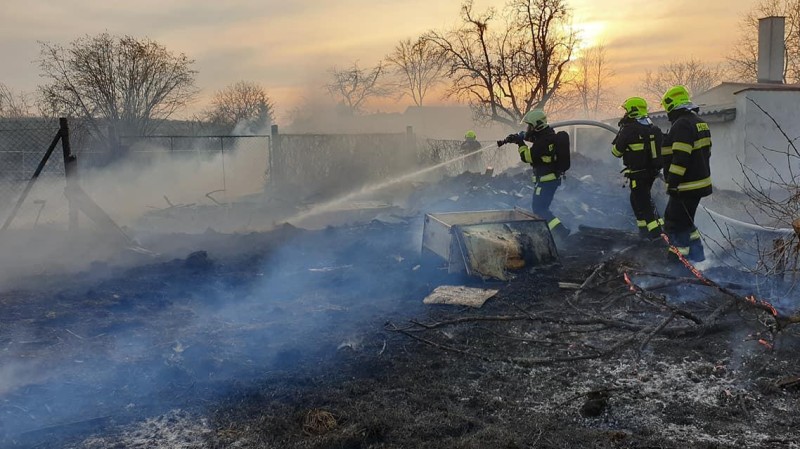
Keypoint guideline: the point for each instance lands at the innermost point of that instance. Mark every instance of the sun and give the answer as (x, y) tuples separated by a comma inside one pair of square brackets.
[(590, 34)]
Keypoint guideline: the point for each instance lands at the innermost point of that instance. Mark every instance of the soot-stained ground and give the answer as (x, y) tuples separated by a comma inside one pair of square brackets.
[(319, 339)]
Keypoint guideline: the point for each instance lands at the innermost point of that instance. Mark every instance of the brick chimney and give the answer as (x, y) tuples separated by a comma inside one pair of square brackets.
[(771, 48)]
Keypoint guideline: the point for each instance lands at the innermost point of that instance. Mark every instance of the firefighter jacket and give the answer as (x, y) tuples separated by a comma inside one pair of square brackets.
[(686, 154), (542, 155), (638, 143), (468, 146)]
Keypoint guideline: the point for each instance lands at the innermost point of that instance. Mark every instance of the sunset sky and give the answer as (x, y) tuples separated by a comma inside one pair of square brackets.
[(287, 46)]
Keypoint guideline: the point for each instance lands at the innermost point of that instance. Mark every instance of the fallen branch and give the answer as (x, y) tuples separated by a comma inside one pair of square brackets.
[(652, 299), (588, 282), (656, 330), (442, 347), (548, 360)]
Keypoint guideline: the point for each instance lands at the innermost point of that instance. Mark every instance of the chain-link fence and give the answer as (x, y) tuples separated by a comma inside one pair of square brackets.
[(23, 143), (499, 159), (324, 165), (230, 155)]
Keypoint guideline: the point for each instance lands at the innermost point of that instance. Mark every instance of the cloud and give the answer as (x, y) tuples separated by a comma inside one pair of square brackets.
[(285, 44)]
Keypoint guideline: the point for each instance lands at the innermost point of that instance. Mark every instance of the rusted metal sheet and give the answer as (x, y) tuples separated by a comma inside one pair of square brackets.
[(490, 244)]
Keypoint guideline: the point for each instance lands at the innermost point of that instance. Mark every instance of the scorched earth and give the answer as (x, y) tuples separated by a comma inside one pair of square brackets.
[(299, 338)]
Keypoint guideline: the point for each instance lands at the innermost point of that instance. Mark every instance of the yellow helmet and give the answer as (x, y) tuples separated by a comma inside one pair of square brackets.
[(674, 97), (536, 118), (470, 135), (635, 107)]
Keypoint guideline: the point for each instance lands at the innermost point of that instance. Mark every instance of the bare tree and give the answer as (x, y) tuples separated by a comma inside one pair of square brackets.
[(692, 73), (591, 81), (241, 104), (420, 64), (127, 84), (523, 65), (743, 60), (353, 86), (13, 104)]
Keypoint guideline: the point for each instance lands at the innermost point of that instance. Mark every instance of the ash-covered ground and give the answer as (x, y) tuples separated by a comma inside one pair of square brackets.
[(298, 338)]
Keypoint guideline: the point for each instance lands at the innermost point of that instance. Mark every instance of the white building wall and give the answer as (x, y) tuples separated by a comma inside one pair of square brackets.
[(726, 147), (765, 147)]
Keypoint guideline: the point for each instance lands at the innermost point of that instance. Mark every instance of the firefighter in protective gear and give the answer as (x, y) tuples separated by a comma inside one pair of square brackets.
[(638, 143), (686, 153), (549, 157), (473, 163)]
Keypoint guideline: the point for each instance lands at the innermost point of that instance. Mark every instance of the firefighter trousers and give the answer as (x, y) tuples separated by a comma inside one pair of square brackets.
[(643, 207), (543, 193), (679, 225)]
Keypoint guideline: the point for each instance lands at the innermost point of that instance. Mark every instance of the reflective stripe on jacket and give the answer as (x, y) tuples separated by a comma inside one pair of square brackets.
[(639, 146), (541, 155), (687, 155)]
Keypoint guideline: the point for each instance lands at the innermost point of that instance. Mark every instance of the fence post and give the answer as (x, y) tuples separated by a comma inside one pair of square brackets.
[(274, 144), (70, 171), (411, 143)]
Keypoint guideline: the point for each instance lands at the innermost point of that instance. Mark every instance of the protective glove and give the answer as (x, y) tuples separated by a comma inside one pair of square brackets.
[(519, 139)]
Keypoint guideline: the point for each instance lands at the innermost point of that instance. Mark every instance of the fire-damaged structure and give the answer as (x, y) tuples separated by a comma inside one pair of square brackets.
[(490, 244)]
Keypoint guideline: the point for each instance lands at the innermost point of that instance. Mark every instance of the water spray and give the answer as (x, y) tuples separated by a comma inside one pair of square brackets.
[(332, 204)]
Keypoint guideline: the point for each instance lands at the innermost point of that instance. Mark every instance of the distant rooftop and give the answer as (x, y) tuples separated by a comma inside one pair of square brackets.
[(720, 100)]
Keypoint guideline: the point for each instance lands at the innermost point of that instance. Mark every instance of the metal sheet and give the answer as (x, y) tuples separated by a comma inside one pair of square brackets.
[(495, 250)]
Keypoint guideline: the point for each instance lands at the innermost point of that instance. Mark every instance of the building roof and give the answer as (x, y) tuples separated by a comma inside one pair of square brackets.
[(720, 100)]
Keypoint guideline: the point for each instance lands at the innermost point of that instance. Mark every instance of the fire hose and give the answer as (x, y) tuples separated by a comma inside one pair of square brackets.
[(714, 214)]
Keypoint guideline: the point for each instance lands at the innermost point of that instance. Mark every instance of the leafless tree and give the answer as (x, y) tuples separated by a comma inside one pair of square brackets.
[(520, 66), (591, 81), (353, 86), (13, 104), (692, 73), (243, 104), (743, 60), (420, 64), (119, 84)]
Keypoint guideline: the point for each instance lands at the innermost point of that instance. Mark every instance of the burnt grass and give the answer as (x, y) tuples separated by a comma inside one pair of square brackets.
[(319, 339)]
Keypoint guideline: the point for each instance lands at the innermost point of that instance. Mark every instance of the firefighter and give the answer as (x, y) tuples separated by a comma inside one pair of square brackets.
[(638, 143), (470, 145), (687, 152), (549, 157)]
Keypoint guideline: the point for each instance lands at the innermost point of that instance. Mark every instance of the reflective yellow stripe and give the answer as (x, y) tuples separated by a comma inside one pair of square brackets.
[(615, 151), (677, 169), (704, 142), (641, 223), (665, 151), (538, 191), (695, 184), (547, 159), (633, 183), (525, 153), (636, 146), (553, 223), (702, 127), (680, 146), (652, 225), (695, 235), (547, 177), (683, 250), (661, 221)]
